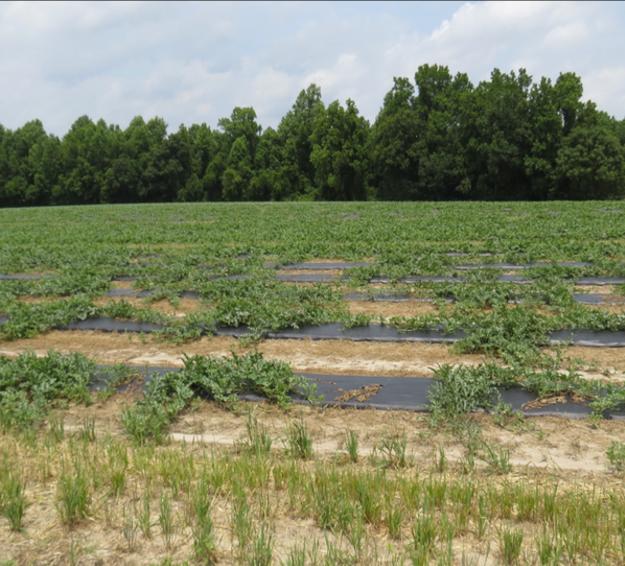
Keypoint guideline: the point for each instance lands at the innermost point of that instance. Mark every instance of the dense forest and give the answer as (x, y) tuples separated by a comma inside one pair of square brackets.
[(437, 137)]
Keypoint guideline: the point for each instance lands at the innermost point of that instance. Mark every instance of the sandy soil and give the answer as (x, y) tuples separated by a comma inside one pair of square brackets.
[(568, 448), (390, 309), (597, 289), (311, 272)]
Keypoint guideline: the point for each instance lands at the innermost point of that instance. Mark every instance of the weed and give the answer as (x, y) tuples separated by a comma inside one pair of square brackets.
[(241, 521), (166, 519), (261, 550), (87, 431), (616, 456), (510, 543), (144, 516), (423, 535), (441, 460), (351, 445), (299, 442), (394, 520), (73, 493), (392, 450), (497, 458), (12, 499), (258, 440), (548, 550), (130, 529), (460, 390), (296, 556)]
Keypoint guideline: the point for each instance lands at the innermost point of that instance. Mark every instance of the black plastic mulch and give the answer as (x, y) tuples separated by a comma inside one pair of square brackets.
[(392, 393), (370, 333)]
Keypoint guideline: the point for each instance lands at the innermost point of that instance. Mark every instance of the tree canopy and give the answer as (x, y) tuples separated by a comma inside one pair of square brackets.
[(436, 137)]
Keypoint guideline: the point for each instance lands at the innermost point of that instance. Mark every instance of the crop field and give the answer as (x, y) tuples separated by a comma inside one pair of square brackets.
[(313, 383)]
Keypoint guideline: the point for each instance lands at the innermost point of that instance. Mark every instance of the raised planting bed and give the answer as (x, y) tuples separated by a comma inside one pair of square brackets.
[(591, 338), (370, 333), (312, 265), (389, 393), (518, 267)]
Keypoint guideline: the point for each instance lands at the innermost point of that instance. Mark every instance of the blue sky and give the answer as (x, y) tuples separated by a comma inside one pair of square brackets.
[(193, 62)]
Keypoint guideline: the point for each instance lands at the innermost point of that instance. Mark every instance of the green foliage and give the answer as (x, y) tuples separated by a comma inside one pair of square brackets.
[(458, 390), (29, 384), (258, 440), (12, 498), (74, 495), (219, 379), (511, 544), (351, 445), (27, 320), (436, 137), (299, 442), (616, 456), (338, 152)]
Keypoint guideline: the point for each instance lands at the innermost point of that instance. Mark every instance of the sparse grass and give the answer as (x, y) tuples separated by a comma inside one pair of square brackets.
[(498, 458), (188, 495)]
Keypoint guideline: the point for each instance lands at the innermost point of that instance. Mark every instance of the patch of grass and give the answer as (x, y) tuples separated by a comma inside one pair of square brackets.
[(351, 445), (616, 456), (458, 390), (511, 543), (299, 442), (74, 495), (497, 458), (12, 498), (258, 440), (392, 451)]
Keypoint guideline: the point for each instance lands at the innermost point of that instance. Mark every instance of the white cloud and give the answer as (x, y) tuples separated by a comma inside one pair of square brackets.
[(194, 61)]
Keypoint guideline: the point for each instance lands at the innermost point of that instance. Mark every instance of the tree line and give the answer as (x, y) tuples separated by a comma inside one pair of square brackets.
[(437, 137)]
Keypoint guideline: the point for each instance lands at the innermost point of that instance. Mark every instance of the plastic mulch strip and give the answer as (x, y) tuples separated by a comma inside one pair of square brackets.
[(392, 393), (370, 333), (591, 338)]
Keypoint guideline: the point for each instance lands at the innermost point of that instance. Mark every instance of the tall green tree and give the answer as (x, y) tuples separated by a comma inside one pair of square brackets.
[(295, 131), (339, 158), (86, 155), (442, 171), (591, 164), (393, 147)]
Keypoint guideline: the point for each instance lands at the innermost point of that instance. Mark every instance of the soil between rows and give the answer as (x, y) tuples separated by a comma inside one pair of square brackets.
[(543, 446)]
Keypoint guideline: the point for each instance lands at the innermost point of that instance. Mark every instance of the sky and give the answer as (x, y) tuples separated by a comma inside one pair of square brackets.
[(194, 62)]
